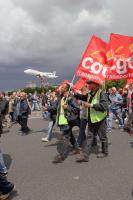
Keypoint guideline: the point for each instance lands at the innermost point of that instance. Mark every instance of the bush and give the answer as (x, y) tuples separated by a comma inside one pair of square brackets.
[(117, 84), (39, 90)]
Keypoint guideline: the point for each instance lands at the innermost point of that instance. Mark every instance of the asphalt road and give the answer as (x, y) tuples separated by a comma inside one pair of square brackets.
[(37, 178)]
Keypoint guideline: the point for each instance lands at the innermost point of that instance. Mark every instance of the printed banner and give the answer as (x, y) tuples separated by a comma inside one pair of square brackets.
[(93, 63), (120, 57), (79, 84)]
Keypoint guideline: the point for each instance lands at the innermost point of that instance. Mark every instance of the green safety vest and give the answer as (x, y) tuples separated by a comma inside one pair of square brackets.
[(61, 116), (96, 116)]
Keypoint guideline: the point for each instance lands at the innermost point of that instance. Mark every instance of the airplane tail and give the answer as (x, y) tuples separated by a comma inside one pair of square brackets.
[(54, 73)]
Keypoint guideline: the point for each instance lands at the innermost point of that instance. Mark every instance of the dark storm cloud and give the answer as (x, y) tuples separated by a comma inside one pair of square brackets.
[(50, 35)]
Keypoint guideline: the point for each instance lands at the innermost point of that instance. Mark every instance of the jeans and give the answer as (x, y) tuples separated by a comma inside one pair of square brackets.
[(82, 135), (118, 115), (35, 106), (3, 168), (15, 114), (46, 115), (23, 122), (50, 129)]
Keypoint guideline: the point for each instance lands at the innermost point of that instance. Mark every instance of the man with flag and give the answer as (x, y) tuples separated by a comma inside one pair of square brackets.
[(96, 103), (93, 67)]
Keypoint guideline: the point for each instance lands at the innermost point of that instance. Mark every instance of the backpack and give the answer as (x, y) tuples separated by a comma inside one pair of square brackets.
[(72, 116)]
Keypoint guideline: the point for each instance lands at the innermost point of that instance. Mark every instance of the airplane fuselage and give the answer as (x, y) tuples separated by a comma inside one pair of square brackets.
[(40, 74)]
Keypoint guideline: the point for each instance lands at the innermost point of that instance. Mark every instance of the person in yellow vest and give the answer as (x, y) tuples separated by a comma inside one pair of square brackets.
[(96, 103), (66, 137)]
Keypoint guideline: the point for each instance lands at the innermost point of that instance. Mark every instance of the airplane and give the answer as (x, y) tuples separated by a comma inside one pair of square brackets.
[(41, 74)]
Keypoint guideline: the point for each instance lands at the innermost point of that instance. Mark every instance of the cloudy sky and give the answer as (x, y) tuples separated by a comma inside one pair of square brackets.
[(51, 35)]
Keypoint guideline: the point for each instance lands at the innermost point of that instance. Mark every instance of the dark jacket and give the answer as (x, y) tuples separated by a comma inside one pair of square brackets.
[(3, 106), (52, 109), (125, 101), (24, 108)]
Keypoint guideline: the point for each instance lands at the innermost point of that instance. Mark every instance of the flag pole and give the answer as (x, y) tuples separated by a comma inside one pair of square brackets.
[(70, 88)]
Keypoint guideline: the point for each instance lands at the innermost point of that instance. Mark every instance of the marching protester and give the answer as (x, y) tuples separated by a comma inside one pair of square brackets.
[(96, 103), (129, 123), (66, 137), (11, 108), (3, 110), (83, 119), (35, 102), (43, 103), (115, 109), (43, 98), (16, 96), (52, 110), (125, 104), (46, 101), (24, 111)]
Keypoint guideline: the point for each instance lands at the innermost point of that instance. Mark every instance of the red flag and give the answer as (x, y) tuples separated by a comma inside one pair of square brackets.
[(79, 84), (58, 89), (129, 81), (92, 65), (119, 57)]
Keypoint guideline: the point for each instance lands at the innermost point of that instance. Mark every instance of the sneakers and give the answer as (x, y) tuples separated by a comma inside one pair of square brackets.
[(45, 139), (102, 155)]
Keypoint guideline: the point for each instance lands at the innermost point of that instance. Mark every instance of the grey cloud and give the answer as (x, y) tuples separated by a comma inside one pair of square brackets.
[(22, 37), (44, 11), (52, 34)]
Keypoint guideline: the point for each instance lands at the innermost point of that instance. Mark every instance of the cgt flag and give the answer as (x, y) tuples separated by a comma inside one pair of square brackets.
[(93, 62), (129, 81), (120, 57), (79, 84)]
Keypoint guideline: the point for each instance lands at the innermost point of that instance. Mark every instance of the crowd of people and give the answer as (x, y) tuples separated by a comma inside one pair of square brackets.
[(92, 111)]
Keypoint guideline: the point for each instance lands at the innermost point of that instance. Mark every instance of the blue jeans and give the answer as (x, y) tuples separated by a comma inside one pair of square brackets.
[(15, 114), (50, 129), (46, 115), (118, 114), (3, 168), (35, 106), (82, 135)]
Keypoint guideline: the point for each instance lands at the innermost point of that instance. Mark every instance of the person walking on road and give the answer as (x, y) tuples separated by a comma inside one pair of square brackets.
[(24, 112), (96, 103)]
